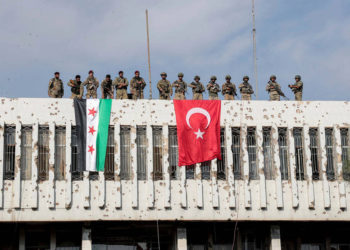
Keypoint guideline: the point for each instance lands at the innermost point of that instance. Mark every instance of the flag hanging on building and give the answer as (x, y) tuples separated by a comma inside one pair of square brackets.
[(92, 121), (198, 130)]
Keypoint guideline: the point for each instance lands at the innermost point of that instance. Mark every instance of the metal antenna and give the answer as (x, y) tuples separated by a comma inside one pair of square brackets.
[(149, 59), (254, 52)]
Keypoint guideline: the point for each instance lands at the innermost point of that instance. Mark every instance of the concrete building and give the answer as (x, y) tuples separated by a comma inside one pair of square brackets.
[(282, 183)]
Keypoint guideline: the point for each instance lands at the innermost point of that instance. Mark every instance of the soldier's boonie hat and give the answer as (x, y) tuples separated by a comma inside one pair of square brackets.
[(77, 76), (57, 73), (163, 74), (228, 77), (197, 77), (180, 74), (91, 71), (297, 77), (245, 77), (120, 72), (136, 71), (213, 78), (273, 76), (108, 76)]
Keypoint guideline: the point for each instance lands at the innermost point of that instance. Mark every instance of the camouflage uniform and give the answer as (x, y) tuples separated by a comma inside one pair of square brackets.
[(137, 84), (107, 89), (297, 88), (121, 91), (77, 91), (91, 84), (229, 89), (56, 88), (246, 89), (213, 89), (274, 89), (180, 88), (197, 89), (165, 90)]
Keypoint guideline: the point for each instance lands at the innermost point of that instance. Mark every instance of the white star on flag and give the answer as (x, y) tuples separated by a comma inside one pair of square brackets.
[(199, 134)]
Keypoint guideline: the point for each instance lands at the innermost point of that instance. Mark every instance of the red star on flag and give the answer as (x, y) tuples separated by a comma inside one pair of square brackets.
[(91, 149), (92, 130), (92, 112)]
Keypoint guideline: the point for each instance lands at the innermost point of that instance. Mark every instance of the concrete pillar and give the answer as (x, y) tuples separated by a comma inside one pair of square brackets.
[(275, 237), (86, 243), (181, 238), (22, 239), (52, 238)]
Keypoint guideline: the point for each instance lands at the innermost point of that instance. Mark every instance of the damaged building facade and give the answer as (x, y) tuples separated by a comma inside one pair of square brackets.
[(282, 183)]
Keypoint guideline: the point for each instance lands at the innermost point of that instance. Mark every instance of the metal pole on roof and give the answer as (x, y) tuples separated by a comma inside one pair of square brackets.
[(254, 52), (149, 59)]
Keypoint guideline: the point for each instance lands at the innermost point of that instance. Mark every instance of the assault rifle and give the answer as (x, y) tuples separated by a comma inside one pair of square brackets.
[(278, 89)]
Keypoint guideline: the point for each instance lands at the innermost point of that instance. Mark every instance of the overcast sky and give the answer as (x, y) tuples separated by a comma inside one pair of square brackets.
[(310, 38)]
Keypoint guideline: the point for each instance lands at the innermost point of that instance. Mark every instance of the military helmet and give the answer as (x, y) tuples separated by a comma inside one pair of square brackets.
[(213, 78), (57, 73), (163, 74), (108, 76), (245, 77), (180, 74), (77, 76), (120, 72), (228, 77), (197, 77), (298, 77), (272, 76)]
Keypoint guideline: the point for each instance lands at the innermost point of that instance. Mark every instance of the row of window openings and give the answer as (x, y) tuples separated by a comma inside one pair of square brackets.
[(141, 142)]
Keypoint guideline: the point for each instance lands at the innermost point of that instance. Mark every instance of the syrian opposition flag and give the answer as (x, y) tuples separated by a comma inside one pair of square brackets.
[(92, 121), (198, 130)]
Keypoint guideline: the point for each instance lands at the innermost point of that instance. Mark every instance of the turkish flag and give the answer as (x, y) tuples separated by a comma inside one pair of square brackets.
[(198, 130)]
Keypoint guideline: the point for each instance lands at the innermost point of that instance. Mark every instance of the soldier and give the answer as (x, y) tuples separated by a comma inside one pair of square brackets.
[(229, 89), (137, 84), (274, 89), (91, 84), (76, 88), (297, 88), (107, 88), (197, 89), (163, 85), (180, 88), (56, 87), (213, 89), (121, 85), (246, 89)]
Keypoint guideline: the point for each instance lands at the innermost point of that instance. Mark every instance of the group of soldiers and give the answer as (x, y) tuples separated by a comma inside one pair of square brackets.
[(137, 85)]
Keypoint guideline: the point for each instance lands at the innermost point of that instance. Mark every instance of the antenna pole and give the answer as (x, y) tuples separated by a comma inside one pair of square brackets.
[(254, 51), (149, 59)]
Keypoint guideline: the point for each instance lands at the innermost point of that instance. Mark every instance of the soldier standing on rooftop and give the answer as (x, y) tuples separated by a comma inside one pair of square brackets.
[(274, 89), (121, 85), (246, 89), (197, 88), (229, 89), (213, 89), (77, 91), (163, 85), (180, 87), (297, 88), (107, 88), (91, 84), (56, 87), (137, 84)]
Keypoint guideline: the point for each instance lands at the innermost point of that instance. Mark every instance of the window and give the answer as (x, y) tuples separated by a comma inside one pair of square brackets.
[(109, 162), (26, 153), (77, 174), (190, 171), (299, 158), (43, 155), (141, 141), (251, 144), (205, 170), (345, 149), (173, 154), (314, 153), (157, 153), (283, 152), (236, 152), (125, 163), (329, 153), (221, 164), (9, 152), (267, 151), (60, 152)]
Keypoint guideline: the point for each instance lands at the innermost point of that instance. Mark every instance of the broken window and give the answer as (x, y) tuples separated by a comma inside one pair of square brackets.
[(283, 152), (251, 145), (157, 153), (173, 154), (77, 174), (43, 154), (236, 152), (299, 157), (267, 151), (221, 164), (345, 156), (329, 153), (60, 152), (125, 164), (314, 148), (26, 152), (141, 142), (9, 152), (109, 162)]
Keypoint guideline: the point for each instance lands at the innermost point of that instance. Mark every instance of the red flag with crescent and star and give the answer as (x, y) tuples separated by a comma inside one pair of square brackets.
[(198, 130)]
